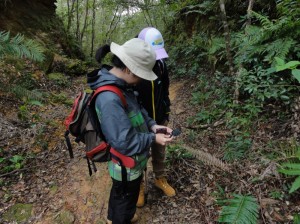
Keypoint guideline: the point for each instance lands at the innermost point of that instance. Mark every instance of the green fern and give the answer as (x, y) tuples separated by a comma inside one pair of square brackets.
[(292, 169), (29, 95), (23, 93), (240, 210), (20, 47)]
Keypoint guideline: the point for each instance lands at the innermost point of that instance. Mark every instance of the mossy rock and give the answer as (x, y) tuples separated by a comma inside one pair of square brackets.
[(58, 78), (18, 63), (68, 66), (65, 217), (76, 67), (18, 213), (47, 63)]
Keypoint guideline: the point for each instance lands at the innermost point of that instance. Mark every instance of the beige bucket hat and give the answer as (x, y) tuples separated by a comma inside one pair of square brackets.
[(138, 56)]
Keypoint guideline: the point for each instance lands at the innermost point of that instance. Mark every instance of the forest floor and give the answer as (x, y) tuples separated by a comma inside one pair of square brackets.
[(51, 188)]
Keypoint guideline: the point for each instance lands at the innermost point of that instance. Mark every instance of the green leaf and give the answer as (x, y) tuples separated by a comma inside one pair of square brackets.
[(241, 209), (292, 165), (295, 186), (1, 160), (292, 64), (296, 74), (289, 65), (297, 219), (279, 61), (289, 172), (16, 159), (35, 102)]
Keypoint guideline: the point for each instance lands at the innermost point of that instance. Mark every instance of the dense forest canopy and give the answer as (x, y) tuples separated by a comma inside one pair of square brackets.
[(243, 60)]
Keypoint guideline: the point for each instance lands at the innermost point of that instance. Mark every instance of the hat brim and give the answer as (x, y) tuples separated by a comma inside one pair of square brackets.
[(161, 53), (138, 71)]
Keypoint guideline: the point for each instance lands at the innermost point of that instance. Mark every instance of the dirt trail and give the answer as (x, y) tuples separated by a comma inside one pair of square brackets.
[(83, 198)]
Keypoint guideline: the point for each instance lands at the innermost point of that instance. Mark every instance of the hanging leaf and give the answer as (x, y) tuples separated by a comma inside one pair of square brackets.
[(289, 65), (296, 74), (295, 186), (279, 61)]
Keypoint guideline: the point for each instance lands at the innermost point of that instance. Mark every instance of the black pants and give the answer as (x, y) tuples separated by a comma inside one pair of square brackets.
[(122, 202)]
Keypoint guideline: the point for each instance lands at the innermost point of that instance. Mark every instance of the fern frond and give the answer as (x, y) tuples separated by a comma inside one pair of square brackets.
[(241, 209), (292, 165), (290, 168), (216, 44), (21, 93), (207, 158), (263, 19), (294, 170), (295, 186), (19, 47), (201, 8), (36, 50), (278, 48)]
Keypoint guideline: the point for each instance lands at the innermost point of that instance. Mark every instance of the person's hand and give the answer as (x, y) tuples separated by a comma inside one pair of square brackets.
[(163, 139), (156, 129)]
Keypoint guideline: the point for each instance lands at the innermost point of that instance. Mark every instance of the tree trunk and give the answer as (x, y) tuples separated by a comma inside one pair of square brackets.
[(93, 28), (112, 25), (250, 6), (70, 14), (85, 21), (77, 21), (227, 37), (237, 86)]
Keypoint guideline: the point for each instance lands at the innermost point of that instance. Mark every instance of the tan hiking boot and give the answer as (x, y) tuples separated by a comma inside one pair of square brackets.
[(133, 220), (141, 200), (162, 183)]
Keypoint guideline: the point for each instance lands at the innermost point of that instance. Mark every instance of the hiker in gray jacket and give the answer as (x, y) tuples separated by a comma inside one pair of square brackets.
[(128, 130)]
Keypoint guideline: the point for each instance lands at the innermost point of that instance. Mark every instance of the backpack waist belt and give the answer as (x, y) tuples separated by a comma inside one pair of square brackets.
[(126, 160), (116, 156)]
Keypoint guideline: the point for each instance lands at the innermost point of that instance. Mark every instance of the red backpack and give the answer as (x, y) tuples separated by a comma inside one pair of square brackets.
[(83, 124)]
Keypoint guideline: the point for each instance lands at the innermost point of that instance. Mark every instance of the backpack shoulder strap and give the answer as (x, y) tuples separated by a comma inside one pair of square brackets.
[(114, 89)]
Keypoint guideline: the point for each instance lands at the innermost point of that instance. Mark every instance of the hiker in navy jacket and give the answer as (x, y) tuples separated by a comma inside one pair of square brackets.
[(128, 130), (154, 97)]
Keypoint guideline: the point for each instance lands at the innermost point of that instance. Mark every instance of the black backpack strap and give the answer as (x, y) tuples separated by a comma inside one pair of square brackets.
[(69, 146), (124, 175), (89, 166)]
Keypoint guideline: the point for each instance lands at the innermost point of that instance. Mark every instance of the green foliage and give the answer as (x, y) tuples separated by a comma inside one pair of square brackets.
[(201, 8), (59, 79), (61, 98), (236, 147), (20, 47), (292, 65), (27, 95), (188, 55), (276, 194), (263, 86), (296, 219), (13, 163), (257, 47), (292, 165), (241, 209), (292, 169), (175, 152), (24, 113), (27, 83), (40, 139), (211, 99)]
